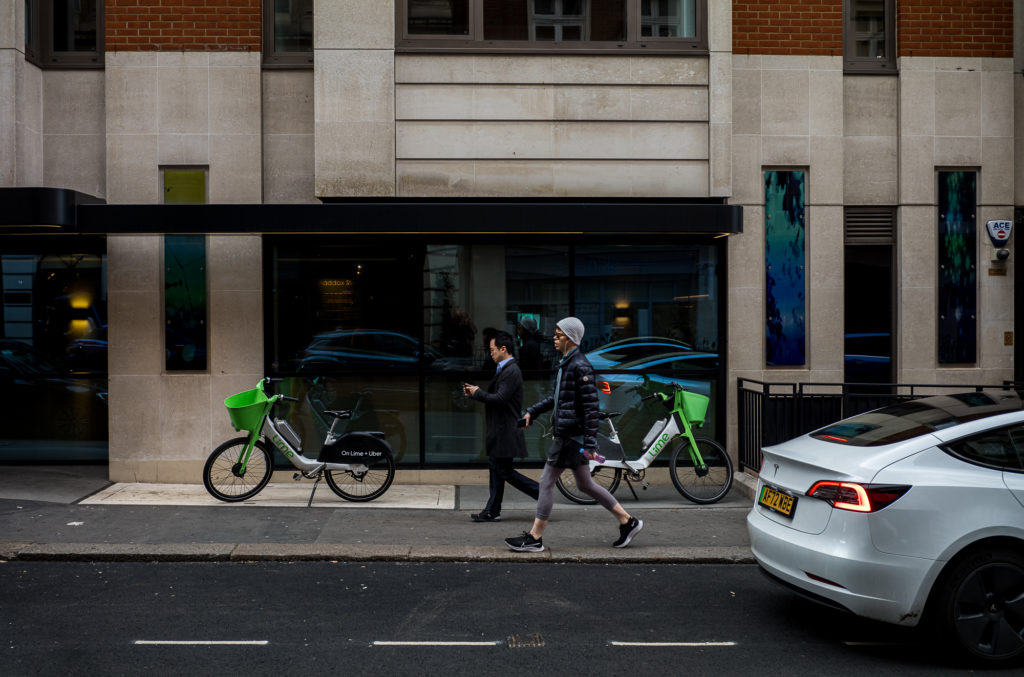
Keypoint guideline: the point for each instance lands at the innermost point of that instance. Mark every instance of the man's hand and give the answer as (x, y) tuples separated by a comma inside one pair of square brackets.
[(468, 389), (526, 417)]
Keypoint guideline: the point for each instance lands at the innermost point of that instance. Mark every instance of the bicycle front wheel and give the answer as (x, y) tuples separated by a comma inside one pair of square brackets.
[(608, 478), (701, 486), (224, 477), (362, 486)]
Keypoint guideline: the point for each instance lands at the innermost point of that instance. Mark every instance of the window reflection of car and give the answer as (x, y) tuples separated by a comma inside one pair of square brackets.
[(868, 357), (44, 400), (363, 349), (371, 349), (88, 354), (652, 363)]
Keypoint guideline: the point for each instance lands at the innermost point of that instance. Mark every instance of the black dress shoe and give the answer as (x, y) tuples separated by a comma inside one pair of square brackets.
[(484, 516)]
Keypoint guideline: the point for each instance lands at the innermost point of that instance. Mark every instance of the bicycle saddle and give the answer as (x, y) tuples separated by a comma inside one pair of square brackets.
[(339, 413), (602, 415)]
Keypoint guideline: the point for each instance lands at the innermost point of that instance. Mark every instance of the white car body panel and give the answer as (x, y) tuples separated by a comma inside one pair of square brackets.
[(940, 484), (882, 565)]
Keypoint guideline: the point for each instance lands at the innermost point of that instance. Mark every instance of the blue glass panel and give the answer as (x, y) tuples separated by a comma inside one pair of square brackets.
[(958, 297), (185, 302), (784, 268)]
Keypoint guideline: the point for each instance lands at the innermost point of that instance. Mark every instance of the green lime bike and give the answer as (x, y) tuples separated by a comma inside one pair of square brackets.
[(700, 468), (358, 466)]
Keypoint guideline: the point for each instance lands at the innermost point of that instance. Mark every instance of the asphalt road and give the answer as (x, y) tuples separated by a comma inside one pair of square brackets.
[(386, 618)]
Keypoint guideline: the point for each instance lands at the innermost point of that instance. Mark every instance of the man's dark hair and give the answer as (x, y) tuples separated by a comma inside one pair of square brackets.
[(503, 338)]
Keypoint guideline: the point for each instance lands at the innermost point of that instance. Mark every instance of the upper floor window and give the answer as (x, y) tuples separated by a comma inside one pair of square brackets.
[(64, 33), (575, 25), (869, 36), (288, 33)]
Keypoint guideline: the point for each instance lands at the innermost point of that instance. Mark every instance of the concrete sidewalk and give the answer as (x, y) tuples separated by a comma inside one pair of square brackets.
[(74, 513)]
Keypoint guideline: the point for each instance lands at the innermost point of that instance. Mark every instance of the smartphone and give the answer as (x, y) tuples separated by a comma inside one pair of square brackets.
[(521, 422)]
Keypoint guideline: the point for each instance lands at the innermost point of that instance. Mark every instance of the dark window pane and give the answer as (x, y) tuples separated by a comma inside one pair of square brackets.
[(438, 17), (74, 26), (555, 20), (869, 27), (668, 18), (293, 25)]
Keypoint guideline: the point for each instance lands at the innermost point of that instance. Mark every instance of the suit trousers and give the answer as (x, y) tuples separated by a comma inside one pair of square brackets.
[(502, 472)]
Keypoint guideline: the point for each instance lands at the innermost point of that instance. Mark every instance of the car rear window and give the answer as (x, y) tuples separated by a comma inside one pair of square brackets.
[(907, 420)]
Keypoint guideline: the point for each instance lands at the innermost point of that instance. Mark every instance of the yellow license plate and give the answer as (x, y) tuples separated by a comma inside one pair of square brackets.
[(776, 501)]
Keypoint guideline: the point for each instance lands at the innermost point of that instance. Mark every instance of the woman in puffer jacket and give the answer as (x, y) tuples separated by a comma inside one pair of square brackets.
[(574, 425)]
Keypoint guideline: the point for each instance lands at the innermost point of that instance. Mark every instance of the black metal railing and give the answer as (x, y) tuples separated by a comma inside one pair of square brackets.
[(769, 413)]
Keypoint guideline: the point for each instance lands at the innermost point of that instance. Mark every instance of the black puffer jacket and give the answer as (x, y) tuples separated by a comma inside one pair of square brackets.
[(577, 401)]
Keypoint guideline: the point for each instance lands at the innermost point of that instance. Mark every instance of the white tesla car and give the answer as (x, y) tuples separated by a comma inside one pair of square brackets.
[(910, 512)]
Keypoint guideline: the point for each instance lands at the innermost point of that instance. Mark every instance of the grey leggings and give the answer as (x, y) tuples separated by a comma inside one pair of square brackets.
[(583, 480)]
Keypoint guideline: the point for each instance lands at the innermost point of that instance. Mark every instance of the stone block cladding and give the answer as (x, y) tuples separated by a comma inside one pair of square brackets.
[(957, 28), (183, 25)]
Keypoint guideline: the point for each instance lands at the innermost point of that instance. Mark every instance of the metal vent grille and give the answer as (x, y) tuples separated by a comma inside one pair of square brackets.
[(870, 225)]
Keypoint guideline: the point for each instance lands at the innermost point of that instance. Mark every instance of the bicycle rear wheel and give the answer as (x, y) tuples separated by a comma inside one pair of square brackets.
[(224, 478), (362, 486), (608, 478), (707, 486)]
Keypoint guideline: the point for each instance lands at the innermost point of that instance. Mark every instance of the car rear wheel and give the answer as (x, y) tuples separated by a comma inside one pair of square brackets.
[(981, 606)]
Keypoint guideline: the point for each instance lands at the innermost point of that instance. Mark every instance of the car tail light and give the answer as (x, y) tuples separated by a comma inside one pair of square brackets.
[(604, 387), (857, 497)]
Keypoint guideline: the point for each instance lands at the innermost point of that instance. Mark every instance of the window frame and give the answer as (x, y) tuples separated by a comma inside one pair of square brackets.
[(632, 44), (867, 65), (39, 42), (956, 449), (273, 59)]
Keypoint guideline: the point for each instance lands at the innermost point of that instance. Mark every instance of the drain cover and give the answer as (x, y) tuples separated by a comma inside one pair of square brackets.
[(525, 641)]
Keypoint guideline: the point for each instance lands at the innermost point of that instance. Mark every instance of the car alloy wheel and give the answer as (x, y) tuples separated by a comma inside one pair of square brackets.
[(983, 605)]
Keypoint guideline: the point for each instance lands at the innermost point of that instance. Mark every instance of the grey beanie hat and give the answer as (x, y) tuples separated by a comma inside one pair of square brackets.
[(572, 328)]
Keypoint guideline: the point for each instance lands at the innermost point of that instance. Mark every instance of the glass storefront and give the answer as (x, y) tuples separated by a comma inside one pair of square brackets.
[(391, 331), (53, 350)]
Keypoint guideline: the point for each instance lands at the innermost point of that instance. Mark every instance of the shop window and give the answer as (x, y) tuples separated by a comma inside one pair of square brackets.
[(185, 297), (553, 24), (869, 36), (53, 349), (64, 34), (288, 33), (391, 332)]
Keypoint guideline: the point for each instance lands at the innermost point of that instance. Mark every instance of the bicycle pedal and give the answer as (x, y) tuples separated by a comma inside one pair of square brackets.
[(297, 476)]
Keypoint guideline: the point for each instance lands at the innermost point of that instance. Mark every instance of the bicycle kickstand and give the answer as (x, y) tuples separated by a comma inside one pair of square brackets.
[(630, 485), (319, 475)]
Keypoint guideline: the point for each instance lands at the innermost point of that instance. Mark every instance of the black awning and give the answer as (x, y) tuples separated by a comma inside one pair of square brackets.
[(41, 210), (70, 212)]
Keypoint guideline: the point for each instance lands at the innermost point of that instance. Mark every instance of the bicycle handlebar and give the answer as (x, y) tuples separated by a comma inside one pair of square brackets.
[(290, 399)]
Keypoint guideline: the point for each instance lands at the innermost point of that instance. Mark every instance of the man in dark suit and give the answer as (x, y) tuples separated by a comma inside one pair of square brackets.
[(503, 401)]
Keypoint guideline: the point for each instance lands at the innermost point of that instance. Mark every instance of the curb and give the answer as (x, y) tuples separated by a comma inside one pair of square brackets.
[(283, 552)]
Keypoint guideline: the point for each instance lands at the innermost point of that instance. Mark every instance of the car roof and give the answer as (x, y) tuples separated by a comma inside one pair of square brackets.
[(916, 418)]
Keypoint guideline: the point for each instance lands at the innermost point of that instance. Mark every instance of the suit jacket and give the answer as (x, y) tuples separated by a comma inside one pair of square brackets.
[(503, 401)]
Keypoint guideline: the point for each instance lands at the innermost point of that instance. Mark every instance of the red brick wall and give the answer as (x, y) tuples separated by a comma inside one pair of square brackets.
[(183, 25), (771, 27), (979, 28), (966, 28)]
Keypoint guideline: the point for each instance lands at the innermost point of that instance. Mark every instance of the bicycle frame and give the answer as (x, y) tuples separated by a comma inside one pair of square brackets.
[(664, 432), (308, 466)]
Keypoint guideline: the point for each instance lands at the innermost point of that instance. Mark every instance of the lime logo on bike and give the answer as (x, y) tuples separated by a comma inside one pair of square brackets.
[(279, 443), (659, 445)]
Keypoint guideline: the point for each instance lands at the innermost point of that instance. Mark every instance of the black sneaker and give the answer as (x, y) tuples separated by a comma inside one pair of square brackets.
[(627, 531), (525, 543), (484, 516)]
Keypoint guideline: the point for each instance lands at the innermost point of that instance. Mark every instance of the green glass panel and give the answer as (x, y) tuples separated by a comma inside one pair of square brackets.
[(184, 186), (185, 302)]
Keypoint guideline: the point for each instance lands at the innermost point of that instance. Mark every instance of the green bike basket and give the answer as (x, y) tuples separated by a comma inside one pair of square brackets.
[(695, 406), (246, 409)]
